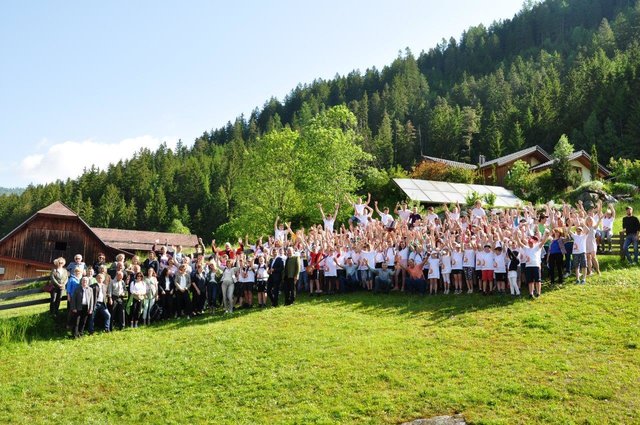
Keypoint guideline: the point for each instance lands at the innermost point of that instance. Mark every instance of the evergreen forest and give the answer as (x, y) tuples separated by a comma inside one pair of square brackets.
[(557, 67)]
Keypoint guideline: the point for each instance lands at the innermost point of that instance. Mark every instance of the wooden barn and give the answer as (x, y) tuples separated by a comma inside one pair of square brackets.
[(56, 231)]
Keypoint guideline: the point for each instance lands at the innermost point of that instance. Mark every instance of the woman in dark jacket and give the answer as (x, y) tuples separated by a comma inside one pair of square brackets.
[(198, 289), (166, 288), (151, 263)]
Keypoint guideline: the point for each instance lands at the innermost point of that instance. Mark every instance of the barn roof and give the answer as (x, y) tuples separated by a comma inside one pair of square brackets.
[(138, 240), (59, 209)]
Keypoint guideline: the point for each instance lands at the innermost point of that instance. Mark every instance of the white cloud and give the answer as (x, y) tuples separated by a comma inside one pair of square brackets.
[(68, 159)]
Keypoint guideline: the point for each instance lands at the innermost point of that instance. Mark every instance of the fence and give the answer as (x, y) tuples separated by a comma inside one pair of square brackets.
[(6, 293), (617, 244)]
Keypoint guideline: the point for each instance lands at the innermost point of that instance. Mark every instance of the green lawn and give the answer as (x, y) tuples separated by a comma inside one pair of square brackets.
[(571, 356)]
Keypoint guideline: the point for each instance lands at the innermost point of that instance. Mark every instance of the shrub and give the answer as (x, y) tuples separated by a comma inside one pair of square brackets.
[(429, 170), (625, 170), (460, 175), (518, 179), (490, 199), (472, 198), (543, 186), (623, 189), (591, 186)]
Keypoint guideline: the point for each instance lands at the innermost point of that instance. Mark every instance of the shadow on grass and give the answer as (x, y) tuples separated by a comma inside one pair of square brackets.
[(437, 307)]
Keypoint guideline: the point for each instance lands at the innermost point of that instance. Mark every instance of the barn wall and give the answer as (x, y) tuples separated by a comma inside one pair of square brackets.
[(44, 238), (21, 270)]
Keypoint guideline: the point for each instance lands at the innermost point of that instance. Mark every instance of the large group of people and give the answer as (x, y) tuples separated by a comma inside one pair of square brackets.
[(491, 251)]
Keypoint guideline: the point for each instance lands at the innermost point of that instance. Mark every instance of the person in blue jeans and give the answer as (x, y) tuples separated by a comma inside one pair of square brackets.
[(631, 226), (100, 306)]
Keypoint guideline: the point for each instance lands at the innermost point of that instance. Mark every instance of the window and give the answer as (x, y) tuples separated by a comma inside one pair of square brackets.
[(1, 270), (61, 246)]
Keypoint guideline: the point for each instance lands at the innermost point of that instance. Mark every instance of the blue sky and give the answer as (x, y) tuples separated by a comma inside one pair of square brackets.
[(85, 83)]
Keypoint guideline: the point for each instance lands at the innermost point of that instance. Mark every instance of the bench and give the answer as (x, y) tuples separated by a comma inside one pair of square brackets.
[(617, 243)]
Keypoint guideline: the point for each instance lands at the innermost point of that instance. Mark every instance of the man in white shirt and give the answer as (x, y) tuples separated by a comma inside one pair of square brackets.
[(328, 220), (431, 216), (385, 218), (403, 212)]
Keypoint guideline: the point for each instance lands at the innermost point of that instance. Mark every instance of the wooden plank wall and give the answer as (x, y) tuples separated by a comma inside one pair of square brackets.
[(19, 269)]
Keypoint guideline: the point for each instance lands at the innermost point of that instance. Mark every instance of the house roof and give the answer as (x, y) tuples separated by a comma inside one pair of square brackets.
[(138, 240), (497, 161), (449, 162), (574, 156), (517, 155)]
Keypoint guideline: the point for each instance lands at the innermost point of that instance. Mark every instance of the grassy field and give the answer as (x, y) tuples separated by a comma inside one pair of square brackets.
[(571, 356)]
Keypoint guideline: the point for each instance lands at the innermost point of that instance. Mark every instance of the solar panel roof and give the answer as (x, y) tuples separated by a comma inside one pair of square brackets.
[(434, 192)]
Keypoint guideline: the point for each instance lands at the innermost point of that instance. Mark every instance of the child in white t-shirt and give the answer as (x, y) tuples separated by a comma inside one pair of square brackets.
[(434, 272), (486, 259), (445, 261)]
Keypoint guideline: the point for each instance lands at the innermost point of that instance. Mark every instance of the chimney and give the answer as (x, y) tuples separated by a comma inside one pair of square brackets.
[(481, 160)]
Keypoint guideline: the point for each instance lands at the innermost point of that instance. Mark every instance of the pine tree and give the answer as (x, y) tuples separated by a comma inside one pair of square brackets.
[(128, 215), (516, 137), (594, 162), (591, 130), (496, 147), (404, 143), (561, 170), (610, 145), (470, 127), (383, 143)]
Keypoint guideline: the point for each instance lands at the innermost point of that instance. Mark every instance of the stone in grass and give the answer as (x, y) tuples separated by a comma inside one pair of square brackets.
[(439, 420)]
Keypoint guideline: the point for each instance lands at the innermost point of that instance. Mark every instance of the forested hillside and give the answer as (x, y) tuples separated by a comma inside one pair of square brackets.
[(8, 191), (558, 67)]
